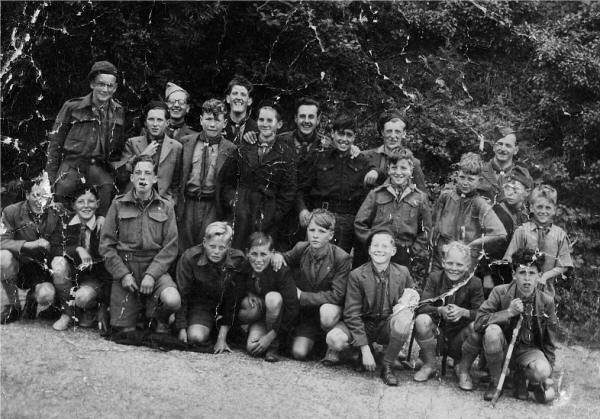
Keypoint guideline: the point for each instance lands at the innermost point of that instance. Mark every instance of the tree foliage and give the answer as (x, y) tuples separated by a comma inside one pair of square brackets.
[(457, 69)]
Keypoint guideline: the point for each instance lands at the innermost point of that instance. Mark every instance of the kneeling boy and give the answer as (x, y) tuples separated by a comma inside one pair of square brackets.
[(209, 276), (379, 307)]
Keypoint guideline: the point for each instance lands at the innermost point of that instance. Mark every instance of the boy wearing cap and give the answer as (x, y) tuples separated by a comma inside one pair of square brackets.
[(239, 98), (496, 171), (392, 129), (177, 99), (204, 156), (542, 235), (164, 150), (88, 134), (259, 181)]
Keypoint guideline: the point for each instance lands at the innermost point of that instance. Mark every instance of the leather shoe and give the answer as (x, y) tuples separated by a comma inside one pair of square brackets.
[(491, 390), (331, 358), (87, 318), (388, 376), (272, 355), (464, 378), (10, 313)]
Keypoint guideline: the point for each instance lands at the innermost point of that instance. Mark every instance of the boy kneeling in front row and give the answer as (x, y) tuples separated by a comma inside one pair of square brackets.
[(379, 307), (533, 355)]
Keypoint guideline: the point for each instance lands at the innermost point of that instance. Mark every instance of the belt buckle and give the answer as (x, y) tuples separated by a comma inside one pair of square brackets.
[(93, 160), (325, 205)]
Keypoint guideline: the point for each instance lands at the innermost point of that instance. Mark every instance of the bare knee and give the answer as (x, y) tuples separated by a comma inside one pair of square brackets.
[(198, 334), (85, 296), (249, 314), (336, 339), (171, 299), (44, 293), (61, 271), (300, 350), (423, 325), (539, 370), (493, 338), (8, 264), (273, 301), (400, 328), (329, 315)]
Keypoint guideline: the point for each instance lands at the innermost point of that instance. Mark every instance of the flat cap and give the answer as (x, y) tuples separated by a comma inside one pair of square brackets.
[(102, 67)]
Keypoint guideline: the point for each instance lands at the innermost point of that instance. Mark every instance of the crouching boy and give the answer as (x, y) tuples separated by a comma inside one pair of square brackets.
[(534, 351), (209, 276), (139, 244), (271, 306), (379, 307), (452, 322)]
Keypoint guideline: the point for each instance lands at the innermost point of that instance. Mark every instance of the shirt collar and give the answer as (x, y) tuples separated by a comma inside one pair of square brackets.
[(91, 223), (392, 189), (498, 169)]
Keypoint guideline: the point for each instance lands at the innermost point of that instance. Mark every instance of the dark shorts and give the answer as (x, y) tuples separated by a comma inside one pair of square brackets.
[(202, 314), (376, 331), (32, 273), (309, 325)]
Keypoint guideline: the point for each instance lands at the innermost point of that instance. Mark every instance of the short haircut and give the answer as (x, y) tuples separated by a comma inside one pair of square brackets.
[(155, 104), (462, 248), (528, 257), (543, 191), (343, 122), (28, 184), (83, 188), (471, 163), (259, 238), (239, 80), (269, 104), (323, 218), (308, 101), (402, 154), (218, 229), (383, 231), (144, 158), (214, 107), (389, 115)]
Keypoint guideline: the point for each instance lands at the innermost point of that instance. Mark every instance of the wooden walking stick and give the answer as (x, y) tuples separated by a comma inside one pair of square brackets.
[(507, 360)]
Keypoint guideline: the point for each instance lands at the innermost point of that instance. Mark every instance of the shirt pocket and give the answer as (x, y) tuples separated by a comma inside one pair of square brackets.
[(82, 134), (156, 222), (129, 226)]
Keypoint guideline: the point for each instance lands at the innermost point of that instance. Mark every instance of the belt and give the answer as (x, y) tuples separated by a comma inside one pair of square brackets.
[(340, 207), (137, 255), (199, 197)]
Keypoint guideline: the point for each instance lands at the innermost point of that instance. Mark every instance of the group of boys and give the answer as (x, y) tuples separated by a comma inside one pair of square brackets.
[(194, 232)]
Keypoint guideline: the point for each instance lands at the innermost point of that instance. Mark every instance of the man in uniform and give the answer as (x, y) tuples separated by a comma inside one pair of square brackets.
[(88, 133), (177, 100), (139, 244)]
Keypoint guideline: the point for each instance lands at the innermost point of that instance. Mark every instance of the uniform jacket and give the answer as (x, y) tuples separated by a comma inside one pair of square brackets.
[(378, 158), (261, 193), (202, 282), (330, 284), (283, 283), (169, 163), (408, 216), (469, 296), (495, 311), (361, 296), (464, 218), (75, 132), (493, 178), (226, 150), (148, 231), (18, 226), (329, 176)]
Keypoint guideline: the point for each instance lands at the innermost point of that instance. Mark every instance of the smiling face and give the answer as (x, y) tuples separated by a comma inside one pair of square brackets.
[(393, 133), (343, 139), (156, 122), (307, 119), (103, 87), (268, 123), (143, 178), (239, 99), (216, 248), (382, 248), (85, 206), (543, 210), (178, 106), (526, 278), (455, 264), (259, 257), (466, 183), (211, 125), (400, 173), (318, 236), (505, 149)]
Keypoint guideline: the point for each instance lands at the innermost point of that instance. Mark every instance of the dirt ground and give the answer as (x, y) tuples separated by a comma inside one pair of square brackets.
[(78, 374)]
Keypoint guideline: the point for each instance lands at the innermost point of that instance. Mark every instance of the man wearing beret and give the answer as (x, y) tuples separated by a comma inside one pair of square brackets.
[(177, 100), (498, 169), (88, 133)]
